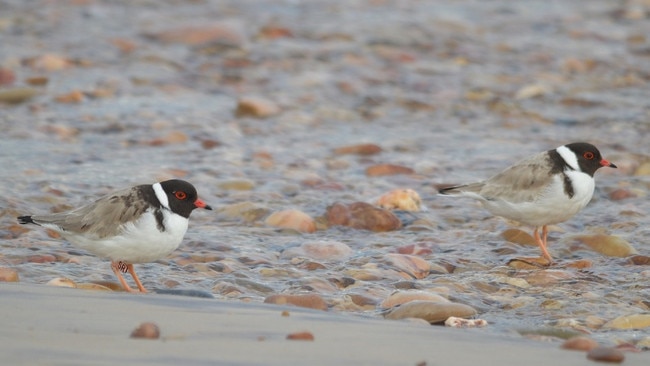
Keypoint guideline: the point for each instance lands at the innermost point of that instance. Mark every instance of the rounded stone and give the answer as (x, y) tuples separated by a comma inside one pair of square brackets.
[(433, 312)]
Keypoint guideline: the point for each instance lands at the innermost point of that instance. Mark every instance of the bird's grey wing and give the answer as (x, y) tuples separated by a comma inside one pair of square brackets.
[(103, 217), (525, 181)]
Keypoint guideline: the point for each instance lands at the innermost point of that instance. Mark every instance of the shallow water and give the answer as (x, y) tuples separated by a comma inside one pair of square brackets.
[(456, 91)]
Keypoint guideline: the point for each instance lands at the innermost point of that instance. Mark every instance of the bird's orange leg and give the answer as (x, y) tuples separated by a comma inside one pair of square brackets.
[(541, 241), (135, 277), (117, 268)]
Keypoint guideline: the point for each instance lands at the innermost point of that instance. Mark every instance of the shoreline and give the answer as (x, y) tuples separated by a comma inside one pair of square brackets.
[(53, 325)]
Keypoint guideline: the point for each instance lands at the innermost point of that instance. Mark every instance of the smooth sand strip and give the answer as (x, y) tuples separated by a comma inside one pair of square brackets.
[(53, 325)]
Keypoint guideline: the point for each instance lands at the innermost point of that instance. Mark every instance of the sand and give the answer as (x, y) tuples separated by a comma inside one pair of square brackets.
[(61, 326)]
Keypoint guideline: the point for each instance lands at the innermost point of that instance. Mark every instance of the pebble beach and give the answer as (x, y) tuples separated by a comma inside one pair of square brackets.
[(320, 133)]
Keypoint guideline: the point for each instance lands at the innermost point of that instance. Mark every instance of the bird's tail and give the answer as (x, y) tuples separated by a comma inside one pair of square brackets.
[(26, 220), (450, 191)]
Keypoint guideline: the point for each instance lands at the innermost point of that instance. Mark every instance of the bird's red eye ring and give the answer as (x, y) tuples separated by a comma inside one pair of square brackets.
[(588, 155), (180, 195)]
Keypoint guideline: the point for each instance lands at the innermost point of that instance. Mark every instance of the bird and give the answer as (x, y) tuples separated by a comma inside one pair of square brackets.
[(140, 224), (544, 189)]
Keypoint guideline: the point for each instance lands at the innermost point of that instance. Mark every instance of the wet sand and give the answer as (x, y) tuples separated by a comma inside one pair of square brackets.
[(50, 325)]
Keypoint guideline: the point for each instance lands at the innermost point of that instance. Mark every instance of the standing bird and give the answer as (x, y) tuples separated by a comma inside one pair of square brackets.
[(547, 188), (135, 225)]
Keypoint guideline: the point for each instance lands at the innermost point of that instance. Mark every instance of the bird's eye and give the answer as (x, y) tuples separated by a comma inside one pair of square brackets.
[(180, 195), (588, 155)]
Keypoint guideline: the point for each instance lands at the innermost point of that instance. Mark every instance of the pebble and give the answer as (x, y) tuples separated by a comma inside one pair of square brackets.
[(621, 194), (49, 62), (62, 282), (146, 330), (93, 286), (41, 258), (75, 96), (245, 211), (361, 215), (311, 301), (431, 311), (609, 245), (548, 277), (228, 33), (292, 219), (518, 236), (256, 107), (8, 275), (236, 185), (639, 260), (300, 336), (387, 169), (414, 266), (400, 199), (455, 322), (631, 321), (360, 149), (606, 354), (320, 250), (400, 297), (173, 137), (18, 94), (643, 169), (7, 76), (579, 343)]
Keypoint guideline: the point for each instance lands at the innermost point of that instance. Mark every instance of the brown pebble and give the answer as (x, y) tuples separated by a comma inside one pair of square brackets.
[(146, 330), (400, 199), (8, 275), (41, 258), (606, 354), (216, 32), (639, 260), (174, 137), (63, 132), (75, 96), (7, 77), (360, 149), (579, 343), (92, 286), (387, 169), (272, 31), (16, 230), (256, 107), (518, 236), (431, 311), (301, 336), (17, 95), (621, 194), (292, 219), (414, 266), (49, 62), (403, 296), (320, 250), (311, 301), (361, 215), (210, 144), (609, 245), (285, 313), (37, 81), (125, 46)]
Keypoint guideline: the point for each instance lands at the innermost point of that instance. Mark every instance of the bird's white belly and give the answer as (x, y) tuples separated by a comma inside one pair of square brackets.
[(138, 242), (552, 207)]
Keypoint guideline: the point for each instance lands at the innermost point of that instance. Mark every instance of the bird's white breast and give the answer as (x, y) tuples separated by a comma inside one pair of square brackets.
[(552, 206), (139, 241)]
